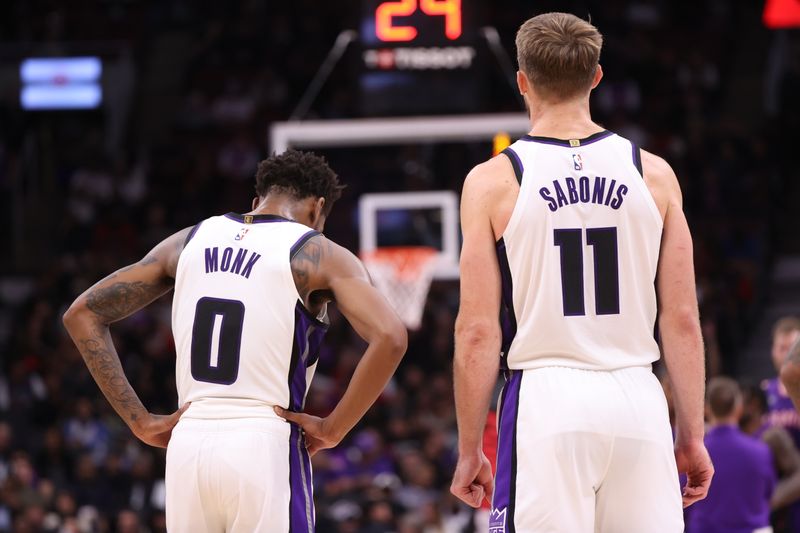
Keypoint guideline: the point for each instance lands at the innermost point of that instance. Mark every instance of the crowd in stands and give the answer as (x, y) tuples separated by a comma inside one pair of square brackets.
[(208, 82)]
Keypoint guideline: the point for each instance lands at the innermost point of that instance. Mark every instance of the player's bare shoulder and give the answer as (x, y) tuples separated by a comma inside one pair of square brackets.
[(661, 181), (318, 261), (492, 176), (168, 252), (492, 188)]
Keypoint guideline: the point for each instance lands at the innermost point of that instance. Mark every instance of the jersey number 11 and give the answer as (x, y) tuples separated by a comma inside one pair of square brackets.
[(606, 269)]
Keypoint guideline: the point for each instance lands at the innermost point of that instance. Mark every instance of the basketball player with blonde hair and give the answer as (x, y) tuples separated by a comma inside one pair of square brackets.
[(577, 239)]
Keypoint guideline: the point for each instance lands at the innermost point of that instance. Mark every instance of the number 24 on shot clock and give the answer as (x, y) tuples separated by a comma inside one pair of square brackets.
[(417, 35), (418, 56), (389, 29)]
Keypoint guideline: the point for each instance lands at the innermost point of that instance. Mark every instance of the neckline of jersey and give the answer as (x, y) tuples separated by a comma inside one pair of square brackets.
[(258, 218), (594, 137)]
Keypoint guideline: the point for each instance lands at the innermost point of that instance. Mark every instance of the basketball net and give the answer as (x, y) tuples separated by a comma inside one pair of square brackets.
[(403, 274)]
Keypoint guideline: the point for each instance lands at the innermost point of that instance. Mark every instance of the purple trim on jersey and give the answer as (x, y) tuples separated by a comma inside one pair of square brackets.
[(565, 142), (508, 319), (310, 329), (636, 153), (296, 247), (308, 335), (191, 233), (505, 481), (257, 219), (516, 163)]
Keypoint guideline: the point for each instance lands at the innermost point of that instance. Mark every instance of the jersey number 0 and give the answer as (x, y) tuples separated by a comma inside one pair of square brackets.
[(606, 269), (217, 340)]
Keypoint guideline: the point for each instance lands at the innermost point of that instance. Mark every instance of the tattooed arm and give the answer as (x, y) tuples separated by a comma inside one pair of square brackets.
[(325, 271), (119, 295)]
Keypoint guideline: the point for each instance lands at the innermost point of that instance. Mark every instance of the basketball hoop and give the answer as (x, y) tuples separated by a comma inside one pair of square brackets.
[(403, 274)]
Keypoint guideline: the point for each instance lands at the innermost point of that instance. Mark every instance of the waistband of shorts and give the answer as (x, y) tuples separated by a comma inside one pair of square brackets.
[(229, 409), (268, 425), (556, 368)]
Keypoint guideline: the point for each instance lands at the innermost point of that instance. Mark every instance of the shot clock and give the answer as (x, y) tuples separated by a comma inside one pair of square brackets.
[(387, 30), (418, 57)]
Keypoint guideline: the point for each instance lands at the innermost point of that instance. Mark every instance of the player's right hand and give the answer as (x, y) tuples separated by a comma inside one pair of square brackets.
[(318, 433), (694, 461), (156, 430), (473, 480)]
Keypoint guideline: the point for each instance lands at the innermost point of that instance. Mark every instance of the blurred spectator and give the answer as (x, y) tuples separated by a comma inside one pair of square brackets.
[(86, 193), (738, 500), (781, 410), (84, 432)]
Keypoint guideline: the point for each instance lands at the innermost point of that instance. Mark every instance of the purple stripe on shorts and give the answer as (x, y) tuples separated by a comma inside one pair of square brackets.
[(502, 517), (309, 478), (301, 503)]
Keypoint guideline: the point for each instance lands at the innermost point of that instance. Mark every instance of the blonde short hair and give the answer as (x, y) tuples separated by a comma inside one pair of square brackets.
[(559, 53), (784, 325)]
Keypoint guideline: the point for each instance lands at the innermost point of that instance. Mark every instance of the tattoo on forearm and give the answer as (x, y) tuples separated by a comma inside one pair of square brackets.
[(104, 365), (306, 262), (118, 300)]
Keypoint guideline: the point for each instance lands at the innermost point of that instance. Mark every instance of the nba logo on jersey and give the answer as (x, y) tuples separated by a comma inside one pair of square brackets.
[(577, 162), (497, 521), (241, 234)]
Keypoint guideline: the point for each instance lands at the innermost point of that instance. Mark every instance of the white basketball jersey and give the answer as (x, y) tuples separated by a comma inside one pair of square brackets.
[(244, 340), (579, 256)]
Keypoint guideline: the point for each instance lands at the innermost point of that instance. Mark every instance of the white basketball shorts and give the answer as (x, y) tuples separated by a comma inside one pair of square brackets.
[(239, 475), (583, 451)]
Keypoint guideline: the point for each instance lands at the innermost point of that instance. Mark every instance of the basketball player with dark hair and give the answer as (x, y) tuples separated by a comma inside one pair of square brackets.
[(248, 316), (579, 239)]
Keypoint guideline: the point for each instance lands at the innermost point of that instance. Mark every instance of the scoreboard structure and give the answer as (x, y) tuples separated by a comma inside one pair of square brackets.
[(418, 57)]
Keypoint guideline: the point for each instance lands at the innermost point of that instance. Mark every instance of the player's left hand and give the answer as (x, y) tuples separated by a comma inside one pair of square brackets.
[(473, 480), (318, 433)]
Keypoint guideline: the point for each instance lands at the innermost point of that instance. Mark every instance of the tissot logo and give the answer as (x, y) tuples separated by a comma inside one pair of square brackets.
[(497, 521), (420, 58)]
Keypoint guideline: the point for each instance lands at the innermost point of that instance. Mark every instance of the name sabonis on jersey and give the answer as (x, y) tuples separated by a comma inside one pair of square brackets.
[(596, 190)]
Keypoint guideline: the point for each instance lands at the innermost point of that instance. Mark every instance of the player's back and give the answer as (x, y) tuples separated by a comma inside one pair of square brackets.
[(579, 256), (244, 340)]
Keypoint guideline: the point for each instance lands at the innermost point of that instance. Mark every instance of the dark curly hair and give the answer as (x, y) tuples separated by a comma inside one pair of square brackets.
[(300, 174)]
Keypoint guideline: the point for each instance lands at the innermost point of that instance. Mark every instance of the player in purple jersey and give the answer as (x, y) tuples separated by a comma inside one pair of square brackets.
[(780, 410), (739, 499), (790, 371)]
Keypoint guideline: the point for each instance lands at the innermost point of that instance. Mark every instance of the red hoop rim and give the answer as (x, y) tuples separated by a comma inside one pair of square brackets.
[(404, 261)]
